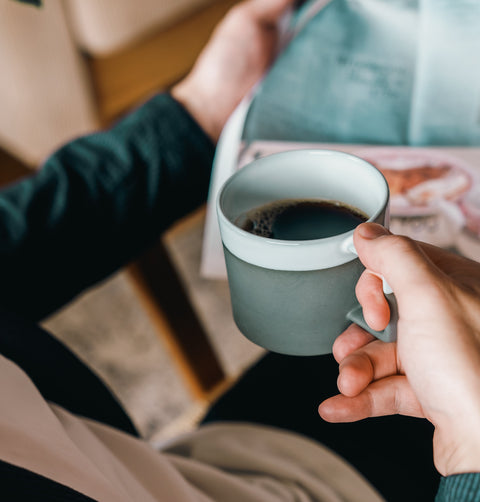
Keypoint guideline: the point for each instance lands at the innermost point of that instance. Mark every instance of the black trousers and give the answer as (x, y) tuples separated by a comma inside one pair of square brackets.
[(393, 453)]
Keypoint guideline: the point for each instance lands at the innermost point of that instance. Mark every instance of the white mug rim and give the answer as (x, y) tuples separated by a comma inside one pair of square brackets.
[(294, 255)]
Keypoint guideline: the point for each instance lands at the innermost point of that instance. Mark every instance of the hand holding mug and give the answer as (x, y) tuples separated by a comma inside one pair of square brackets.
[(433, 370)]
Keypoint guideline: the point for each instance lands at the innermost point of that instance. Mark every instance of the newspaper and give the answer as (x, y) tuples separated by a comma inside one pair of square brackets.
[(446, 101), (355, 73)]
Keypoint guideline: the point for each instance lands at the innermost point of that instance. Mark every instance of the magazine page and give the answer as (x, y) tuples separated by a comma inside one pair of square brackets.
[(435, 193)]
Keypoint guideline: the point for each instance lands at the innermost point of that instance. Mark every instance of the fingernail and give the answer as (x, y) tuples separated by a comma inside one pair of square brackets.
[(371, 230)]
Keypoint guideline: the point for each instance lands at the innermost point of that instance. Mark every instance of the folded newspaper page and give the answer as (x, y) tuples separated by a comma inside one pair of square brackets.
[(445, 107), (353, 74)]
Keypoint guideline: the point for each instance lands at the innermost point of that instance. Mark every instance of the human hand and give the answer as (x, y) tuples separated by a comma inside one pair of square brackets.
[(433, 370), (240, 50)]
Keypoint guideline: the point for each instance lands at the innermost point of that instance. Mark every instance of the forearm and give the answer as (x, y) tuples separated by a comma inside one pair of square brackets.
[(97, 203)]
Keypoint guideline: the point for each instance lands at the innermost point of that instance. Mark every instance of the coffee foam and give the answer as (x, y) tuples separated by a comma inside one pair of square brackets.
[(260, 221)]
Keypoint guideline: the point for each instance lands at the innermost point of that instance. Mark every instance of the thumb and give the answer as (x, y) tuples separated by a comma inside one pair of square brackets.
[(400, 260)]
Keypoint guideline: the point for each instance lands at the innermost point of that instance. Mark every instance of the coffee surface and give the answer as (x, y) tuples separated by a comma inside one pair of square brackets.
[(301, 219)]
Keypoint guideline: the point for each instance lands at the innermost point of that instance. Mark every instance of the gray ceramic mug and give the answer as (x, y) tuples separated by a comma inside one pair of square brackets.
[(296, 297)]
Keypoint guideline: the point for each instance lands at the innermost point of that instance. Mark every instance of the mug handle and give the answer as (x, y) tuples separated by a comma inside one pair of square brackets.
[(389, 334)]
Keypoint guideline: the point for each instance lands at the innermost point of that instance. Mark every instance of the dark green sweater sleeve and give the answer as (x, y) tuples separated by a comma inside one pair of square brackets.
[(97, 203), (459, 488)]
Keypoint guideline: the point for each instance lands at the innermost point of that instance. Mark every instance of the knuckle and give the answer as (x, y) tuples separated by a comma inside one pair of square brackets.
[(371, 403), (362, 280), (239, 11), (397, 399), (402, 243), (360, 285)]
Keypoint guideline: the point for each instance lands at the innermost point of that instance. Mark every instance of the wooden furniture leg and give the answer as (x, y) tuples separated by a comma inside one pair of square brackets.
[(164, 296)]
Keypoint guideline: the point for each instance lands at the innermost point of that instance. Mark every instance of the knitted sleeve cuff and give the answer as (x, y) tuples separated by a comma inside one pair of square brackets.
[(459, 488)]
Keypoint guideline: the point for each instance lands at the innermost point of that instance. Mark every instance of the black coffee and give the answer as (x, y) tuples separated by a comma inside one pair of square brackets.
[(301, 219)]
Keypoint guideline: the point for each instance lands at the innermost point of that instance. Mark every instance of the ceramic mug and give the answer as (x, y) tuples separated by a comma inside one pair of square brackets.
[(296, 297)]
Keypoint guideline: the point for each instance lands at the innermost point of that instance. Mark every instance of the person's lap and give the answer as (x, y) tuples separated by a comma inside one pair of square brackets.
[(394, 453)]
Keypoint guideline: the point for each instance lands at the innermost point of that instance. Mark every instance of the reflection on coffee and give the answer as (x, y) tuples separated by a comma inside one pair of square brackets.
[(301, 219)]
